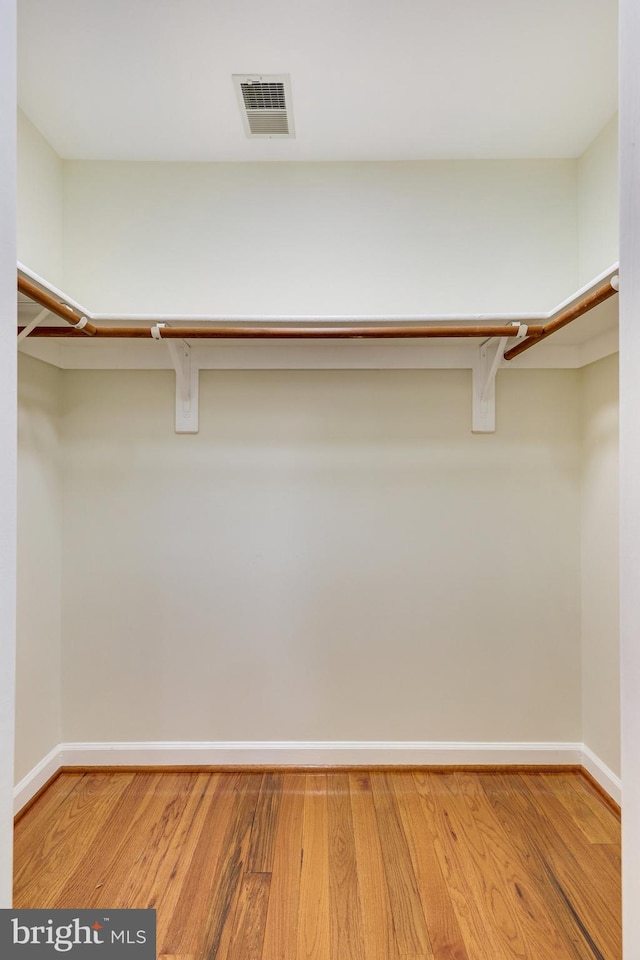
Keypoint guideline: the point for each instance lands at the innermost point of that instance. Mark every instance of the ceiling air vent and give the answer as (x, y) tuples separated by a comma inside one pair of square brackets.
[(265, 104)]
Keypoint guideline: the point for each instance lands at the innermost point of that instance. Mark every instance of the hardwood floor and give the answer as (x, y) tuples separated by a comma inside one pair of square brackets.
[(335, 865)]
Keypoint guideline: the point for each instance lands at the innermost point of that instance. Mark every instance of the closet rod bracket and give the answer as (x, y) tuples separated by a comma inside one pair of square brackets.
[(485, 369), (23, 334), (187, 381)]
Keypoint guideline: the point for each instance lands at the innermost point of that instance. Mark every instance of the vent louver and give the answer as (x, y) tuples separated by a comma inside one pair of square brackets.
[(265, 102)]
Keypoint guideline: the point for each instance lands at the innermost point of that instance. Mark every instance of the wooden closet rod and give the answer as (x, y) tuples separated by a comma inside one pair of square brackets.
[(80, 326), (288, 333), (572, 313), (201, 332), (54, 306)]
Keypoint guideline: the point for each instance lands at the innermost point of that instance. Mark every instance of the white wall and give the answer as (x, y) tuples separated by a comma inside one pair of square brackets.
[(630, 467), (7, 437), (40, 213), (334, 556), (598, 204), (437, 236), (38, 679), (313, 238), (600, 562)]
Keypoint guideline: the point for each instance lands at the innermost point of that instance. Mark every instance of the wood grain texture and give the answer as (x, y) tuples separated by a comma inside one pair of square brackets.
[(578, 877), (582, 890), (186, 926), (50, 856), (339, 865), (410, 927), (281, 933), (45, 788), (251, 914), (511, 872), (443, 927), (265, 824), (314, 935), (230, 870), (467, 903), (166, 897), (116, 848), (344, 893), (586, 809), (377, 917), (145, 855)]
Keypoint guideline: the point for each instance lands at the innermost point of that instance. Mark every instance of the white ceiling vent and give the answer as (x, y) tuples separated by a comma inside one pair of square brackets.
[(265, 104)]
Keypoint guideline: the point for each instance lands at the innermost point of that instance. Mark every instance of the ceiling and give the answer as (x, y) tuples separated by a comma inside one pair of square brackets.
[(371, 80)]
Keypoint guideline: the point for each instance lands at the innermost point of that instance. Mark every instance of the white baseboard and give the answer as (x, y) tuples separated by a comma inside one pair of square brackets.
[(36, 778), (602, 774), (295, 752), (339, 753)]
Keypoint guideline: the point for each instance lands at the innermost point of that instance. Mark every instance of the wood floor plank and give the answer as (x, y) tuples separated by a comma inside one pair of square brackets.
[(314, 941), (610, 852), (216, 869), (347, 941), (147, 856), (450, 846), (585, 807), (33, 831), (40, 812), (589, 890), (250, 918), (443, 927), (91, 809), (412, 938), (281, 932), (167, 855), (107, 863), (230, 870), (187, 842), (524, 841), (265, 824), (181, 931), (557, 822), (377, 919), (528, 898), (478, 862)]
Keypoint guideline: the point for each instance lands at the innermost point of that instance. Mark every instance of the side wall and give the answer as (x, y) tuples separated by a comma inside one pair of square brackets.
[(600, 564), (333, 557), (38, 678), (321, 238), (630, 466), (40, 213), (7, 436), (598, 204)]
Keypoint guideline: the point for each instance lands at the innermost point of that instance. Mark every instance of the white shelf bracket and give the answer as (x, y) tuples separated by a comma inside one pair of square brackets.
[(187, 381), (31, 326), (485, 369)]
